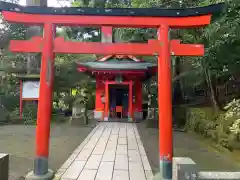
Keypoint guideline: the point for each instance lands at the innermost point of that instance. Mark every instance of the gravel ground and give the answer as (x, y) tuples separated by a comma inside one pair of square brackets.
[(19, 142), (186, 145)]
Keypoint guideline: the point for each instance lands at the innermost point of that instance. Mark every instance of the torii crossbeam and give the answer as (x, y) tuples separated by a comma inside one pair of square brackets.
[(147, 49), (48, 45)]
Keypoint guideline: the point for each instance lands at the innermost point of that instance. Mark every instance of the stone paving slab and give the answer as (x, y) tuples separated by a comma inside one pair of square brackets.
[(112, 151)]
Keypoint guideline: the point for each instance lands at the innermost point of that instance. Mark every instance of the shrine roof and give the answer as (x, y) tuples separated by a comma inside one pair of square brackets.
[(117, 64), (143, 12), (29, 76)]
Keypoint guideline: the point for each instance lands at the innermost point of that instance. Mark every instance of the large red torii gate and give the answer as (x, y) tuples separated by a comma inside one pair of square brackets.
[(163, 47)]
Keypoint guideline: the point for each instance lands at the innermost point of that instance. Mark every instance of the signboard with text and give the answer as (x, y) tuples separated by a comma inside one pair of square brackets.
[(30, 89)]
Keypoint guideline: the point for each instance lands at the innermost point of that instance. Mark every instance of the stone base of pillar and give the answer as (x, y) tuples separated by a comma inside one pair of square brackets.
[(106, 118), (138, 116), (98, 115), (130, 119), (47, 176)]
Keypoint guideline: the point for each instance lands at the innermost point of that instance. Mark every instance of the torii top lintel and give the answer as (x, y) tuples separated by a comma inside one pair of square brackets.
[(116, 17)]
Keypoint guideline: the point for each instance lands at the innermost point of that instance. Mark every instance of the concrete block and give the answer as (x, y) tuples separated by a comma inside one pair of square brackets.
[(122, 141), (121, 162), (122, 149), (87, 174), (4, 166), (74, 170), (136, 171), (105, 171), (218, 175), (184, 168), (109, 155), (120, 175), (93, 162)]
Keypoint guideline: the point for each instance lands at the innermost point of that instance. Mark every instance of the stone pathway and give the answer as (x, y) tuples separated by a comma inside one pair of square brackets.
[(112, 151)]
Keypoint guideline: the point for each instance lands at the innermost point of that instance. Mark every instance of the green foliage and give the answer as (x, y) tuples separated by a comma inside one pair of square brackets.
[(30, 113), (200, 120), (14, 116), (224, 128), (179, 114), (9, 101), (4, 115), (66, 74)]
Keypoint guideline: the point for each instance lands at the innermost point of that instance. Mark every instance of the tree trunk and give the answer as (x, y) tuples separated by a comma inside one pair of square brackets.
[(177, 96), (85, 114), (34, 60), (211, 90)]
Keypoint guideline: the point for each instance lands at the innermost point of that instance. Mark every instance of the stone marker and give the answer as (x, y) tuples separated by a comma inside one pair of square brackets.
[(4, 166)]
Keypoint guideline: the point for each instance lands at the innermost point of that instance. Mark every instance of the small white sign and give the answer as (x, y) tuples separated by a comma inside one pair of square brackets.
[(30, 89)]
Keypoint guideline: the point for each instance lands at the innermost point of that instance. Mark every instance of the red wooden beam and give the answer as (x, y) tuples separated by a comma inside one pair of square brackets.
[(148, 49), (115, 21), (36, 44)]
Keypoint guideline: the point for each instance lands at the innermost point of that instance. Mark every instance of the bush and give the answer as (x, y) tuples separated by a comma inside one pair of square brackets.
[(91, 103), (30, 113), (223, 128), (9, 101), (4, 116), (179, 114), (200, 120)]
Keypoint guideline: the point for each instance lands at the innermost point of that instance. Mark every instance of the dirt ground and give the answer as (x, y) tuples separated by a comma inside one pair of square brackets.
[(186, 145), (19, 142)]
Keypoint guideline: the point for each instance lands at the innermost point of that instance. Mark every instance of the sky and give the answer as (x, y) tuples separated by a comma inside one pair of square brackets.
[(52, 3)]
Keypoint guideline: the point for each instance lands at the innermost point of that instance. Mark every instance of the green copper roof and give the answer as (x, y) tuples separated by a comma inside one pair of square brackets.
[(118, 64)]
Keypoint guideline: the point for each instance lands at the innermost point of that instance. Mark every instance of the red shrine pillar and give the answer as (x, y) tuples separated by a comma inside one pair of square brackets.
[(138, 101), (21, 100), (45, 103), (99, 105), (106, 37), (106, 106), (130, 96), (165, 104)]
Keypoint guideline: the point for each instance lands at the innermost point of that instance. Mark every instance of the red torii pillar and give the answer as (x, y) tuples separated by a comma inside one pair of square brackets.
[(45, 103), (165, 104)]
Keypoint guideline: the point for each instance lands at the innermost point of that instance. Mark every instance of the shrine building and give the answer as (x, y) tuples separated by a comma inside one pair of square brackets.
[(118, 86)]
